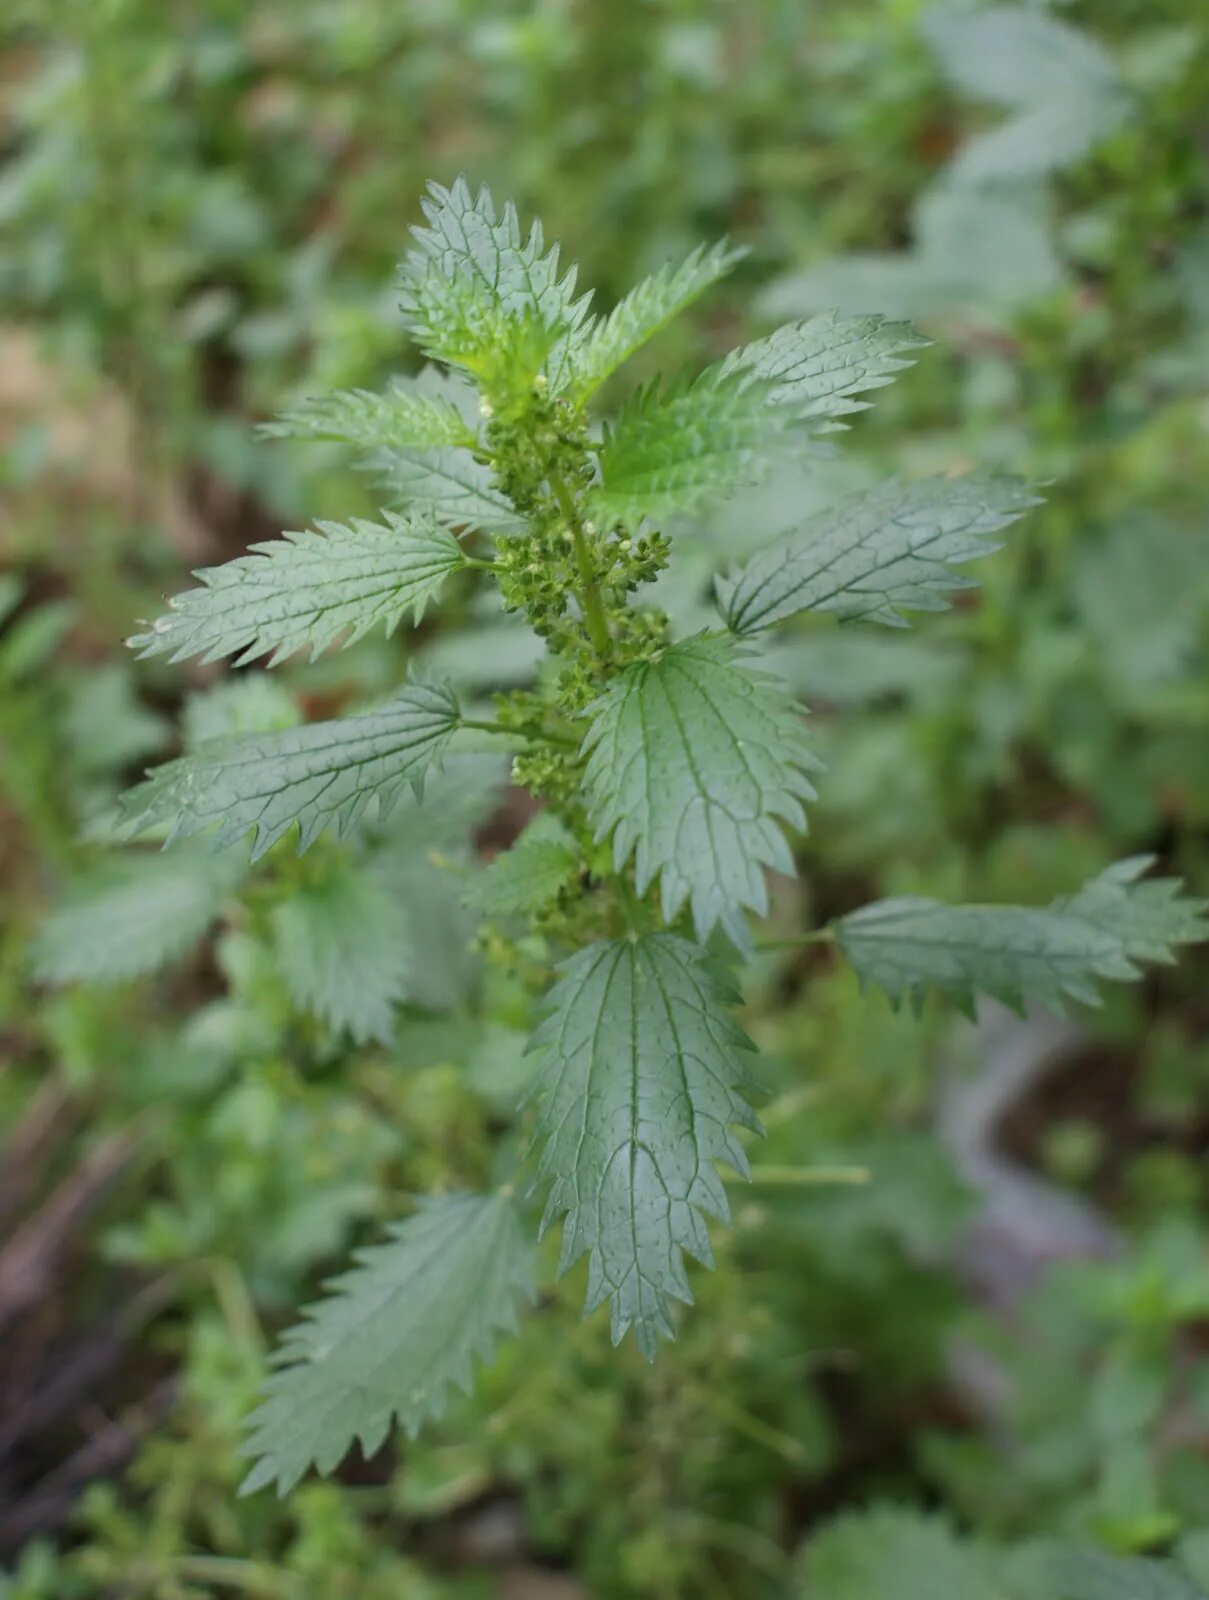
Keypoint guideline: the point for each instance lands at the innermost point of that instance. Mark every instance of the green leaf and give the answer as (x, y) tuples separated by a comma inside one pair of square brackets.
[(639, 1071), (248, 702), (894, 1553), (133, 915), (412, 413), (676, 448), (818, 367), (521, 879), (1062, 83), (449, 484), (321, 774), (1068, 1571), (1016, 953), (343, 948), (696, 759), (411, 1318), (307, 589), (862, 559), (595, 353), (478, 295)]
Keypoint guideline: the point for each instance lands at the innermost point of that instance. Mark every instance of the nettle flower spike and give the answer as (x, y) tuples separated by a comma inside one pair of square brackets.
[(673, 773)]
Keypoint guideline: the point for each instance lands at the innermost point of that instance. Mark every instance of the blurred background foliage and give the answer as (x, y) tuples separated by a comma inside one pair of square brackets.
[(201, 202)]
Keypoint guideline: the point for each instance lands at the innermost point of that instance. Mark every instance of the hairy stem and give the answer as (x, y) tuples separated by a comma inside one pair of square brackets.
[(541, 735)]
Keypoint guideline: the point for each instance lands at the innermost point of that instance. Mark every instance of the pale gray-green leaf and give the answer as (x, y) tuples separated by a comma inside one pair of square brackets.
[(530, 873)]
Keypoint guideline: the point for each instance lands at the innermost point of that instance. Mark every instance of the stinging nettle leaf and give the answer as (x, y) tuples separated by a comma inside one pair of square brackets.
[(318, 775), (819, 366), (343, 948), (307, 589), (1048, 954), (896, 546), (134, 915), (522, 879), (696, 759), (447, 483), (409, 1320), (640, 1068), (582, 362), (476, 293), (674, 448), (411, 414)]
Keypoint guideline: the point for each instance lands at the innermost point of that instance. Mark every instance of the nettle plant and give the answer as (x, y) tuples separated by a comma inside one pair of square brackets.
[(669, 772)]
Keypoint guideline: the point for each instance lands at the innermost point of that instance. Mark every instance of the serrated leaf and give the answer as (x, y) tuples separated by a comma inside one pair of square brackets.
[(411, 414), (343, 949), (408, 1321), (675, 448), (894, 1553), (307, 589), (1061, 81), (820, 366), (583, 362), (696, 759), (132, 916), (1048, 954), (449, 484), (477, 294), (896, 546), (639, 1077), (521, 879), (251, 702), (315, 776)]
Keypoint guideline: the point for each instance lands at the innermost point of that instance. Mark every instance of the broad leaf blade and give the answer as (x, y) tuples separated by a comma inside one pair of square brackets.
[(895, 1553), (412, 414), (447, 483), (820, 366), (133, 915), (1048, 954), (696, 759), (315, 776), (530, 874), (410, 1319), (672, 450), (308, 589), (864, 559), (640, 1072), (479, 295), (343, 948), (586, 360)]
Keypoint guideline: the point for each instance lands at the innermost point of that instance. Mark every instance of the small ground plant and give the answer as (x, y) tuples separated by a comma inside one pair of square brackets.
[(668, 773)]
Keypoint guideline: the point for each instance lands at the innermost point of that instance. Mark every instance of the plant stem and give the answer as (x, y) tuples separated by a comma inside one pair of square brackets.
[(593, 607), (807, 1177), (542, 735)]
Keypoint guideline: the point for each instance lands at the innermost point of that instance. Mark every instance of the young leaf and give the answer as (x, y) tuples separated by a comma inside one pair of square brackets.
[(343, 947), (1017, 953), (584, 362), (696, 759), (447, 483), (639, 1071), (408, 1320), (895, 546), (132, 916), (307, 589), (674, 449), (320, 774), (476, 294), (818, 367), (529, 874), (411, 414)]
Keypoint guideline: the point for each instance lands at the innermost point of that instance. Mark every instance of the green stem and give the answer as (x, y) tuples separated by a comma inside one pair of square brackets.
[(477, 565), (807, 1177), (593, 607), (819, 936), (541, 735)]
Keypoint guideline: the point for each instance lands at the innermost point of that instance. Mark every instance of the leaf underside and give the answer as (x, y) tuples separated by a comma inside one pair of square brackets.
[(862, 560), (319, 775), (640, 1072), (696, 760), (411, 1318), (1015, 954)]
